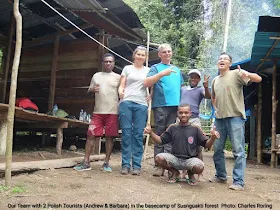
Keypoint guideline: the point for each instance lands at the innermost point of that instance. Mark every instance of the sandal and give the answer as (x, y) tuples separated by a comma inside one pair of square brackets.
[(191, 182), (173, 180)]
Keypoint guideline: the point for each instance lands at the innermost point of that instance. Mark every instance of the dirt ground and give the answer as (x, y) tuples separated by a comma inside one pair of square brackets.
[(68, 189)]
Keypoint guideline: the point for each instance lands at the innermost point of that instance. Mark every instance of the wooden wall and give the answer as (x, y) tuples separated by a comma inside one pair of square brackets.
[(78, 60), (266, 107)]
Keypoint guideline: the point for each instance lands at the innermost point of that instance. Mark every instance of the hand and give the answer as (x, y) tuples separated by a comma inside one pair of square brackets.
[(243, 74), (121, 93), (206, 81), (168, 71), (215, 133), (148, 98), (148, 129), (96, 88)]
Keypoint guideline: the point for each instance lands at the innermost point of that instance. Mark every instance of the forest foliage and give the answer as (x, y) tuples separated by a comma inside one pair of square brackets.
[(195, 28)]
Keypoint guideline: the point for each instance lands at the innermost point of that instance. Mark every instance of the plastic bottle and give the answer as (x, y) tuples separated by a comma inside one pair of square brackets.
[(84, 116), (81, 116), (55, 108)]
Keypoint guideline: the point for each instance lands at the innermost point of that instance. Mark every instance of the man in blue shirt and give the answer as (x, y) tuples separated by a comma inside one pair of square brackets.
[(167, 81)]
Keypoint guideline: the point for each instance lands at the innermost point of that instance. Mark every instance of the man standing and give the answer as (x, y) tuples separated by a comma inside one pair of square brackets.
[(105, 115), (186, 141), (193, 95), (167, 80), (228, 101)]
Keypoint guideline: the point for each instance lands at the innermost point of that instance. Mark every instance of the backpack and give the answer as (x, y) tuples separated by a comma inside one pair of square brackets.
[(61, 113), (25, 103)]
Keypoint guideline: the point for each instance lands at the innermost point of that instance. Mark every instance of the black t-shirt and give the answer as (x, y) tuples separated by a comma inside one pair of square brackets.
[(185, 140)]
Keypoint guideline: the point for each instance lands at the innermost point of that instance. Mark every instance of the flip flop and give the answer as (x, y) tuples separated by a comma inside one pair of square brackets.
[(172, 180), (191, 182)]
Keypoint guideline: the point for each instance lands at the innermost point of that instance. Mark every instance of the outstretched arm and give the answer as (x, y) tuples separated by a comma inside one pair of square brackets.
[(214, 135), (252, 76), (155, 137), (149, 81)]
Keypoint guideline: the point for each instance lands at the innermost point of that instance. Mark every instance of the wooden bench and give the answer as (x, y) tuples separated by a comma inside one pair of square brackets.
[(38, 120), (276, 151)]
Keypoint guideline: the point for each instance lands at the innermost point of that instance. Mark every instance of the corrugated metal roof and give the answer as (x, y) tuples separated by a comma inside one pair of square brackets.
[(40, 20), (93, 12), (123, 11), (84, 5), (263, 42), (268, 27)]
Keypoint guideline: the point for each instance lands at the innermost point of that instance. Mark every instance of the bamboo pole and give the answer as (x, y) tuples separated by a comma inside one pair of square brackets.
[(150, 101), (11, 110), (259, 125), (273, 117), (227, 26)]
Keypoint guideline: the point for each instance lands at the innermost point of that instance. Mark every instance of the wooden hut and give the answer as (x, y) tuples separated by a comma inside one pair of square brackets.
[(58, 60), (265, 60)]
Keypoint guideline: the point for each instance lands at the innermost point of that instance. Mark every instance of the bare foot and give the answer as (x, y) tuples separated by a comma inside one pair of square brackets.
[(200, 178), (159, 172), (174, 177), (183, 174)]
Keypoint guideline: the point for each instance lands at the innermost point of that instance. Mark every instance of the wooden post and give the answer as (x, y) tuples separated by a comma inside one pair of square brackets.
[(252, 145), (101, 49), (97, 147), (8, 58), (273, 118), (53, 73), (59, 137), (12, 98), (59, 140), (259, 125)]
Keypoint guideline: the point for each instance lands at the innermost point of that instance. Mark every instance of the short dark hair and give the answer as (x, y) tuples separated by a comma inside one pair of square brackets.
[(224, 53), (185, 105), (108, 55)]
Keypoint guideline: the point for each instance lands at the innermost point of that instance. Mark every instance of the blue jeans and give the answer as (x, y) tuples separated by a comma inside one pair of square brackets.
[(133, 119), (234, 128)]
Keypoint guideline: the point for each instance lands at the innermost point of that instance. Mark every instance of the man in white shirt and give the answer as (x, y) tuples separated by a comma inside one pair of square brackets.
[(105, 115)]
